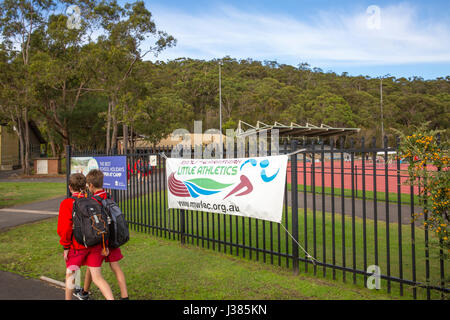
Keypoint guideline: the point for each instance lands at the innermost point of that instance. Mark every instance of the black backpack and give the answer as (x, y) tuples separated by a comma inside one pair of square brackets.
[(118, 229), (91, 223)]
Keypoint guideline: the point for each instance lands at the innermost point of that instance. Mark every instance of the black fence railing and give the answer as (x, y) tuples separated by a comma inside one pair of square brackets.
[(348, 207)]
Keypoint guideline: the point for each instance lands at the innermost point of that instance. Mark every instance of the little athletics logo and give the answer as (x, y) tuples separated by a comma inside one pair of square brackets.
[(197, 187)]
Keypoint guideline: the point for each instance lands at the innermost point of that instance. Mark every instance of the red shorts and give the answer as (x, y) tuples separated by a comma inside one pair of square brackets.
[(91, 257), (114, 255)]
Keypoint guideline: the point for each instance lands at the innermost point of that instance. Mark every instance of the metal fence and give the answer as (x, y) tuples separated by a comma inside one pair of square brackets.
[(333, 206)]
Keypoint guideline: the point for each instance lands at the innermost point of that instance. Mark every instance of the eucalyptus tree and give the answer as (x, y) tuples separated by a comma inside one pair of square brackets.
[(128, 35), (154, 110), (19, 19), (61, 72), (10, 84)]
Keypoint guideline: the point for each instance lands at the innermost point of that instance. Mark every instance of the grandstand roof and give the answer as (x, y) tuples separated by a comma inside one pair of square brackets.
[(294, 129)]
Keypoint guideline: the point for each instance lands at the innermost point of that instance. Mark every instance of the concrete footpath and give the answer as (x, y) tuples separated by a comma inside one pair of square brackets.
[(17, 176), (15, 287), (27, 213), (381, 209)]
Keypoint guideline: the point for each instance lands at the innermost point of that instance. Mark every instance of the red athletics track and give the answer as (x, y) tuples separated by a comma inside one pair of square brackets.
[(380, 174)]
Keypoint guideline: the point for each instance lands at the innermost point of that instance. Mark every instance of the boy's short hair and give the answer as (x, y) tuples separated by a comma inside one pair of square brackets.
[(77, 182), (95, 177)]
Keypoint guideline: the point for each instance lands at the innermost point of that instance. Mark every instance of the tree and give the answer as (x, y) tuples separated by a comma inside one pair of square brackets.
[(118, 51), (424, 149), (61, 73), (19, 19)]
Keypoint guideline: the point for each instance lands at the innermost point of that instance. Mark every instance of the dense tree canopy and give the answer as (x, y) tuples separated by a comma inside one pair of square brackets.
[(267, 91)]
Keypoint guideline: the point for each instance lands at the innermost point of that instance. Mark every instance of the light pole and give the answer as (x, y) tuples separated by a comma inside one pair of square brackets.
[(220, 106), (381, 107)]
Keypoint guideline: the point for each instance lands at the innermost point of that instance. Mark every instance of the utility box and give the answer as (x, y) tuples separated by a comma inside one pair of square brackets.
[(47, 165)]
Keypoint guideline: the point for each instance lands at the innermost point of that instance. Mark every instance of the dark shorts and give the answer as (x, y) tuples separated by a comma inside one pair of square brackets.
[(91, 257), (114, 255)]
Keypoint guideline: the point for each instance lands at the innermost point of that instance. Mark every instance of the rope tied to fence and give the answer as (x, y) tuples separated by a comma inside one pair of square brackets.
[(162, 154), (308, 256), (296, 152)]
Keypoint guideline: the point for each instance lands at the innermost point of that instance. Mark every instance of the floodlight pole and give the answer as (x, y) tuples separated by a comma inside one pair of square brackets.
[(381, 107), (220, 106)]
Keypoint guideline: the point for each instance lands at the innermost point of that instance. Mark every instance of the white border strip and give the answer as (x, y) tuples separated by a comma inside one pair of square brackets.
[(29, 211), (52, 281)]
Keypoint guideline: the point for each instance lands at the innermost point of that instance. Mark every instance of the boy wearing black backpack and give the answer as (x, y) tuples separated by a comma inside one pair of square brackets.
[(94, 181), (77, 254)]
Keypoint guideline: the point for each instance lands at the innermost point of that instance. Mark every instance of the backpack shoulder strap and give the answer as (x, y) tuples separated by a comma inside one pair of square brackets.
[(73, 207), (74, 200), (98, 199), (109, 197)]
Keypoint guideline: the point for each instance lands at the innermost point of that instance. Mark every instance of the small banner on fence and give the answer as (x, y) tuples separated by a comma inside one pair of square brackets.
[(249, 187), (114, 169)]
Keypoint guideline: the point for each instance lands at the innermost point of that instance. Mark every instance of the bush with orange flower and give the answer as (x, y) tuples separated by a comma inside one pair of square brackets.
[(429, 164)]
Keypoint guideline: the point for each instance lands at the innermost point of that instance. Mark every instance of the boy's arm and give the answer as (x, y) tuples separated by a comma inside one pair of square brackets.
[(65, 223)]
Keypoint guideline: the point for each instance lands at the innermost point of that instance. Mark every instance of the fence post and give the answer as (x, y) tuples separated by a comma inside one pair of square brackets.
[(294, 207), (441, 252), (182, 226), (68, 156)]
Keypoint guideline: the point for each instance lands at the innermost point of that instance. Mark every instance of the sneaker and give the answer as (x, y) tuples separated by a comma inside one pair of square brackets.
[(81, 294)]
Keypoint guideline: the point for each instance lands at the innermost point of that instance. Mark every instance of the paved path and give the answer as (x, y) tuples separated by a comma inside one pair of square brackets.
[(6, 174), (405, 210), (17, 176), (35, 179), (32, 212), (15, 287)]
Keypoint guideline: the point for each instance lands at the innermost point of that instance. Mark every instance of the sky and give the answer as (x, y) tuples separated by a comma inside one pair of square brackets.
[(370, 38)]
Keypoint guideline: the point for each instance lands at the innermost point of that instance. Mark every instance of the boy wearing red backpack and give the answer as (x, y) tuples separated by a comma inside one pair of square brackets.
[(75, 254), (94, 181)]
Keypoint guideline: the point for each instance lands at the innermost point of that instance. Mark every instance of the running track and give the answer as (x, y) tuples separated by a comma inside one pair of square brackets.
[(346, 172)]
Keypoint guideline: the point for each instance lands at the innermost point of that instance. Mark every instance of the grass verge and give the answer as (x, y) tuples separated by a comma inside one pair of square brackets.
[(353, 243)]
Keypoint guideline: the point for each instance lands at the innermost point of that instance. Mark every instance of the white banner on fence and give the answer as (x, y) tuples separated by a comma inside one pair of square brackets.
[(249, 187)]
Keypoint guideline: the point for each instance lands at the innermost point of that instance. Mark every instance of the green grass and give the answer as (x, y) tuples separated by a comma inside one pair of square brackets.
[(170, 219), (157, 268), (15, 193), (370, 195)]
